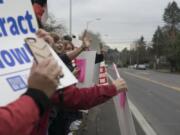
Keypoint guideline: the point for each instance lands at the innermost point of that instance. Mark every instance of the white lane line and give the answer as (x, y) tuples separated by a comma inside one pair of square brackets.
[(141, 120)]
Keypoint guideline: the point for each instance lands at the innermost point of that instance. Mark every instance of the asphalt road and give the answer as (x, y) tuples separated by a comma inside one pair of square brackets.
[(101, 120), (157, 96)]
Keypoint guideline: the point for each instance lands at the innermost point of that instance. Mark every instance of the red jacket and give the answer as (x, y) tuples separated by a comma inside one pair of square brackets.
[(39, 10), (22, 116), (19, 117)]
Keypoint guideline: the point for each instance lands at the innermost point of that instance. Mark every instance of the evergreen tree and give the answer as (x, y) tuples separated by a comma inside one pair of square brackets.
[(158, 42), (172, 18), (140, 50)]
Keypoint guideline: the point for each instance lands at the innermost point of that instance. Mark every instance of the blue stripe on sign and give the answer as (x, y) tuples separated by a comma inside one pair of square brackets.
[(1, 1)]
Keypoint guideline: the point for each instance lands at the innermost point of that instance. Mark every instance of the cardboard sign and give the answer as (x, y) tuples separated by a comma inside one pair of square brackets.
[(17, 21), (89, 56)]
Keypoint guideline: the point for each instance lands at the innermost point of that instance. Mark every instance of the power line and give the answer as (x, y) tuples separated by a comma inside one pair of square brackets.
[(120, 42)]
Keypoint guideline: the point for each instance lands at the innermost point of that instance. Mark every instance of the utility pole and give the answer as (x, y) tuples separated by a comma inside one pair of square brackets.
[(70, 17)]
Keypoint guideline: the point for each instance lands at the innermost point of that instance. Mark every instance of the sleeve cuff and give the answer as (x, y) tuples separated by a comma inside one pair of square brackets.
[(40, 99)]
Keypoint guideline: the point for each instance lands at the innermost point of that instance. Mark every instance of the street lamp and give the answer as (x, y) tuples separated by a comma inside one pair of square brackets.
[(88, 22)]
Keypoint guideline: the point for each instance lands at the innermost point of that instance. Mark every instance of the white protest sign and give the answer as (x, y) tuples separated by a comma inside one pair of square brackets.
[(68, 78), (124, 115), (89, 57), (17, 21), (96, 73)]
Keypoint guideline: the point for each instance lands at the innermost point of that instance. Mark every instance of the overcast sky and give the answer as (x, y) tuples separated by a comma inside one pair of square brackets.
[(121, 20)]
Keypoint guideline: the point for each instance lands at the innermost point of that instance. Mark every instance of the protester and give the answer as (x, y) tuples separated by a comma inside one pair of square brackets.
[(68, 45), (21, 116), (73, 98), (59, 46), (73, 52), (65, 117)]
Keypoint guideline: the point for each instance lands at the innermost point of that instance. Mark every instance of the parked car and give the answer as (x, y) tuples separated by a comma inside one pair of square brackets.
[(141, 67)]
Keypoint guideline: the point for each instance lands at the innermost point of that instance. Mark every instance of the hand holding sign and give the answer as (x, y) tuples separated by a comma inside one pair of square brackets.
[(120, 84), (45, 35), (39, 48), (44, 76), (122, 95), (86, 40)]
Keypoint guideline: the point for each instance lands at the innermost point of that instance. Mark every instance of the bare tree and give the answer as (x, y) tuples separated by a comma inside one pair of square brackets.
[(53, 25)]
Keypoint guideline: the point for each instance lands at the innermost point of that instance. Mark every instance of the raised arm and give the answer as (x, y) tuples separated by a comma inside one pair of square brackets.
[(86, 42), (85, 98)]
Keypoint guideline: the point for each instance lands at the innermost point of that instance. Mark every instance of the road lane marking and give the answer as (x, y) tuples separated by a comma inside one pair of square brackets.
[(141, 120), (153, 81), (145, 73)]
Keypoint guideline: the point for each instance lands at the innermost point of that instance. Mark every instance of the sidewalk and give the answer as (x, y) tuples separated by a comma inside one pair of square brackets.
[(101, 120)]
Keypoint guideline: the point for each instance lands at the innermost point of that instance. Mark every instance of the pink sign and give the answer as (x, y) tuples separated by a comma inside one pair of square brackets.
[(81, 65)]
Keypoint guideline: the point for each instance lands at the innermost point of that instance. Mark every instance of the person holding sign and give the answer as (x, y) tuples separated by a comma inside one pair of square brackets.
[(73, 98), (21, 116)]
